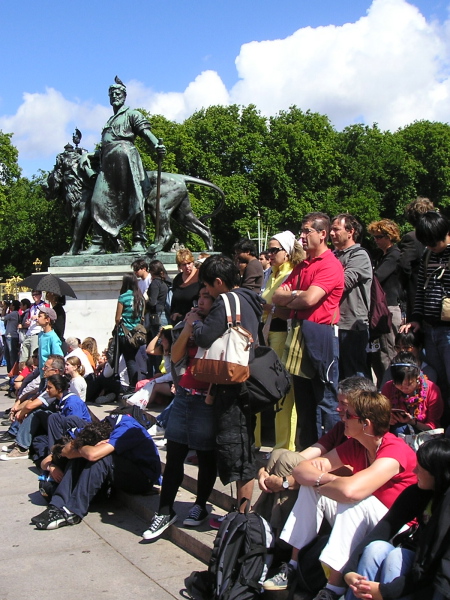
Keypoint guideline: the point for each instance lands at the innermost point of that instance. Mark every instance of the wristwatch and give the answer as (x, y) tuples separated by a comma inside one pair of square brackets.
[(285, 483), (294, 293)]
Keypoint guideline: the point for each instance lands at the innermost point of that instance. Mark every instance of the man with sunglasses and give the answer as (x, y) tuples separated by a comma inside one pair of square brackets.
[(313, 291)]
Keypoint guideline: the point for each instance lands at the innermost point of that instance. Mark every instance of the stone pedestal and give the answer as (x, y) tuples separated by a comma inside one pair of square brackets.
[(96, 281)]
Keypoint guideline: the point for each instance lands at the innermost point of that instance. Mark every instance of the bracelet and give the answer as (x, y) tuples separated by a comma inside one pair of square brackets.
[(318, 479)]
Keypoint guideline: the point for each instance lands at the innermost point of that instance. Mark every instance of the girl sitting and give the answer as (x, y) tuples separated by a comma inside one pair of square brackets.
[(416, 401)]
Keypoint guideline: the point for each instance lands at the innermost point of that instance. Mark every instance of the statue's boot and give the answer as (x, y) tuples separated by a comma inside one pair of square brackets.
[(139, 242), (94, 248), (139, 246)]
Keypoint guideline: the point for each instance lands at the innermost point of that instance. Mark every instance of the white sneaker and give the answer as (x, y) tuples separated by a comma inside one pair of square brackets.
[(156, 430), (160, 443)]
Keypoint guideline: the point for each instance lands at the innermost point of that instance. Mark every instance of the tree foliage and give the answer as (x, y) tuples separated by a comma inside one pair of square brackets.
[(281, 167)]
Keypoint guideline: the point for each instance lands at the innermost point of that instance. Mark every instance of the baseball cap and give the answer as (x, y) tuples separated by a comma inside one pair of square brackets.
[(49, 312)]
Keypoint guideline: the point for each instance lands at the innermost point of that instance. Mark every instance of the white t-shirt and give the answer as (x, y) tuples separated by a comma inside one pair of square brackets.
[(78, 386)]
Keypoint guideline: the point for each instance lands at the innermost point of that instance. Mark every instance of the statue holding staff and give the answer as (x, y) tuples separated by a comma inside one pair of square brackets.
[(122, 185)]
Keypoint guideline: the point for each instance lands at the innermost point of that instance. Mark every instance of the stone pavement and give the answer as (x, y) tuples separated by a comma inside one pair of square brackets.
[(102, 557)]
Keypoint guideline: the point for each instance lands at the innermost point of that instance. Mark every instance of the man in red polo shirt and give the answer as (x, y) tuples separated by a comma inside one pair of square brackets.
[(313, 292)]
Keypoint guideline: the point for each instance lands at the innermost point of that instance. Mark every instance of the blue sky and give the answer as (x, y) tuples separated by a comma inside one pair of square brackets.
[(355, 60)]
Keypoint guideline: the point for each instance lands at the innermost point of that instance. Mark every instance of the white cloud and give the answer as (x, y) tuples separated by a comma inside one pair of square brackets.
[(390, 67), (44, 123), (205, 90)]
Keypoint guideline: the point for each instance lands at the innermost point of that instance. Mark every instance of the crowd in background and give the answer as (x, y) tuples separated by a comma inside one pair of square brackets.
[(365, 393)]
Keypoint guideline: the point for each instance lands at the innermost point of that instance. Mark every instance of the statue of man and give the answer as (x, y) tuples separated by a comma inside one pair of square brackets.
[(122, 185)]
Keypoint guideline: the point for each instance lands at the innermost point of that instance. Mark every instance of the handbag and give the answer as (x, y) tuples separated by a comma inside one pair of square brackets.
[(136, 337), (268, 382), (226, 360)]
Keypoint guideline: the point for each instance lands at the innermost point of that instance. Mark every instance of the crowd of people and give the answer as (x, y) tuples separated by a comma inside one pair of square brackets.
[(362, 401)]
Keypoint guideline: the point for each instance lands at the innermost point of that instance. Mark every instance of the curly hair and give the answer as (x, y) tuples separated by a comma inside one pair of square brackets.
[(417, 208), (385, 227), (92, 434), (184, 256)]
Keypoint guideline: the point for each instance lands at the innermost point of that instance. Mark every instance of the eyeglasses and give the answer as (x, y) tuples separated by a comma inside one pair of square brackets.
[(403, 348), (349, 417), (379, 237), (46, 368), (307, 232), (273, 250)]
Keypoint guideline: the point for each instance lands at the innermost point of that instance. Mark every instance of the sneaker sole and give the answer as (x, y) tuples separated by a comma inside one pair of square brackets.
[(57, 524), (191, 523), (274, 587), (150, 535), (8, 457)]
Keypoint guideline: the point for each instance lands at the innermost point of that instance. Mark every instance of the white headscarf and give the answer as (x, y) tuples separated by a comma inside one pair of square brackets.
[(286, 239)]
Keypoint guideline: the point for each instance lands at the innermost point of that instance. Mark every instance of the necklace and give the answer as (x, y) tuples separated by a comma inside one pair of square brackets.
[(413, 402), (369, 459)]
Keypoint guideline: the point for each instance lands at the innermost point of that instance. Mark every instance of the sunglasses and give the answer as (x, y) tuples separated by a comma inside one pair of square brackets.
[(379, 237), (349, 417), (273, 250)]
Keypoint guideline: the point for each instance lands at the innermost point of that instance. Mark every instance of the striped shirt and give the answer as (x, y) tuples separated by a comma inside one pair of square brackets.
[(432, 287)]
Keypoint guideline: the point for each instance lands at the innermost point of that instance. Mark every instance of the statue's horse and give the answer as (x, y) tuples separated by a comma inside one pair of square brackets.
[(175, 204)]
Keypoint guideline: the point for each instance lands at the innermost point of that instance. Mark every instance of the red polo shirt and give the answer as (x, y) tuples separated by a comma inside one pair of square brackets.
[(324, 271)]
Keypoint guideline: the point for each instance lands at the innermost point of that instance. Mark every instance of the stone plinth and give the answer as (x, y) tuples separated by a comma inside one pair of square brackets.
[(96, 280)]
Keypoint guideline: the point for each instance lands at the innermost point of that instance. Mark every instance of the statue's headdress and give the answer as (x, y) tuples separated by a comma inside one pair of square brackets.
[(118, 85)]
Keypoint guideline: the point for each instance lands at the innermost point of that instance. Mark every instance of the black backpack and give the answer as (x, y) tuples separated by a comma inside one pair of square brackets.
[(239, 561), (268, 383)]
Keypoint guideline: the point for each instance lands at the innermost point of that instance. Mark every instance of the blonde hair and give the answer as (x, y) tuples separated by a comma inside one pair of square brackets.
[(90, 344), (76, 362), (385, 227), (184, 255), (298, 254)]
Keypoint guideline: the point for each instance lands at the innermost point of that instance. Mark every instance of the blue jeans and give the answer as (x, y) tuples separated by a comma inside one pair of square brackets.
[(383, 562), (437, 354)]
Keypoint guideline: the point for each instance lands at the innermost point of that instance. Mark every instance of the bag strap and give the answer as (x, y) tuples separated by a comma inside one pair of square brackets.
[(226, 302)]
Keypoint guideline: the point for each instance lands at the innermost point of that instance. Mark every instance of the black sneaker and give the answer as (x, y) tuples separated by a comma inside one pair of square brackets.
[(54, 518), (327, 594), (197, 515), (158, 525)]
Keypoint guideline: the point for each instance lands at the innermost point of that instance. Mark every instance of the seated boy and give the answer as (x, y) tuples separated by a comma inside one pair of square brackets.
[(119, 449)]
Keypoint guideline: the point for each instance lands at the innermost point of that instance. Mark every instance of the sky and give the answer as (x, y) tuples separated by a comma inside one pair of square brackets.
[(358, 61)]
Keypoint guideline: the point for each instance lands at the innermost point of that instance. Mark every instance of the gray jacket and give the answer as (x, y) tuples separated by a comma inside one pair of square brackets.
[(358, 274)]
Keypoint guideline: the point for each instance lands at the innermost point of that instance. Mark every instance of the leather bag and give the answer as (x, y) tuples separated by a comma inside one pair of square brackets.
[(226, 361)]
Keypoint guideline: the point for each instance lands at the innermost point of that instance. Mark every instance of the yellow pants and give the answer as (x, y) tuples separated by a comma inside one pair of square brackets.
[(286, 418)]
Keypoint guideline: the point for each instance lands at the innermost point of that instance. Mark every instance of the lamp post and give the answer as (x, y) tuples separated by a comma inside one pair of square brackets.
[(37, 265)]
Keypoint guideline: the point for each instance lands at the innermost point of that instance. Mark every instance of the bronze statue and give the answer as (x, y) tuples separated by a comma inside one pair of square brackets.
[(122, 185), (110, 189), (74, 184), (175, 204)]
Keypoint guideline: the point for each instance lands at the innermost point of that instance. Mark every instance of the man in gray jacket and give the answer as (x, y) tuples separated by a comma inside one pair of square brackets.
[(354, 307)]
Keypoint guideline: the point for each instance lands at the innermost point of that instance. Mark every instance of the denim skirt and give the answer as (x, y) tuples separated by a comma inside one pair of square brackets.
[(191, 422)]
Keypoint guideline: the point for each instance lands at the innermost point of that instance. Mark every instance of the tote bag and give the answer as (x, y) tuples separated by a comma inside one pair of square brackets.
[(226, 360)]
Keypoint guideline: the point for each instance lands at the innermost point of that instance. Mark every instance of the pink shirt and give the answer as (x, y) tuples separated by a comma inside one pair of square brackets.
[(429, 411)]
